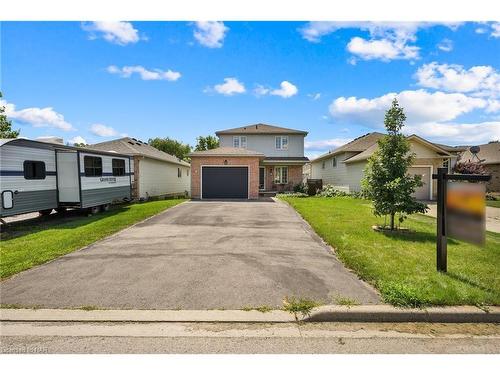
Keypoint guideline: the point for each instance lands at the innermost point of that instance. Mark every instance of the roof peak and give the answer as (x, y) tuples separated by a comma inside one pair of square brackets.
[(260, 128)]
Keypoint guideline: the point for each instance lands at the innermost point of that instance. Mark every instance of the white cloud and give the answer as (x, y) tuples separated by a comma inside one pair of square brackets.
[(315, 96), (445, 45), (231, 86), (482, 80), (286, 90), (145, 74), (78, 139), (210, 33), (103, 130), (326, 144), (116, 32), (420, 106), (457, 133), (495, 30), (382, 49), (37, 117), (388, 40)]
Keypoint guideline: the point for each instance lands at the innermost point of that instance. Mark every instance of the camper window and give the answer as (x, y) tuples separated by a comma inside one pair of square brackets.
[(34, 170), (93, 166), (118, 167)]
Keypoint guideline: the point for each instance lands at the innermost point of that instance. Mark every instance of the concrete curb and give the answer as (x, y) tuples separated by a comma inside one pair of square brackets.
[(364, 313)]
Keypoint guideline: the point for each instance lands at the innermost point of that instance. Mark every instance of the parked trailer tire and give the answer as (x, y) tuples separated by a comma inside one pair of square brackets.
[(61, 210), (94, 210), (46, 212), (105, 207)]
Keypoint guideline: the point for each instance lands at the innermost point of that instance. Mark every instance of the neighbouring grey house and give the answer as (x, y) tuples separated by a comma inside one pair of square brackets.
[(251, 160), (155, 173), (344, 166), (489, 156)]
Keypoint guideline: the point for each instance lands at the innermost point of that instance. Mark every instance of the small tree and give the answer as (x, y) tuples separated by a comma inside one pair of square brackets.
[(206, 143), (6, 125), (171, 146), (386, 180)]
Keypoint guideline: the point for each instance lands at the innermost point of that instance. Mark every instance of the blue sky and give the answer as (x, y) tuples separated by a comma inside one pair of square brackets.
[(99, 81)]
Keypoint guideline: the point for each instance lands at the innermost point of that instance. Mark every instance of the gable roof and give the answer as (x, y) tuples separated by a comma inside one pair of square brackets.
[(370, 150), (489, 152), (227, 151), (359, 144), (134, 147), (260, 129)]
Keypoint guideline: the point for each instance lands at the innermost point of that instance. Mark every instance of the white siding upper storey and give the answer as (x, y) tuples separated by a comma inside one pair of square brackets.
[(271, 145)]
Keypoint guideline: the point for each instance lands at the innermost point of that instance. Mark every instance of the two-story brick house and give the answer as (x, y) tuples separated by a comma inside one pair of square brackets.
[(251, 159)]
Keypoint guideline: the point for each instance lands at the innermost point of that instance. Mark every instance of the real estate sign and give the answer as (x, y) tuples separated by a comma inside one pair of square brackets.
[(465, 211)]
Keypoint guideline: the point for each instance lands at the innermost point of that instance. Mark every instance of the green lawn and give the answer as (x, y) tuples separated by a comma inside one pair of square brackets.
[(493, 203), (24, 245), (403, 265)]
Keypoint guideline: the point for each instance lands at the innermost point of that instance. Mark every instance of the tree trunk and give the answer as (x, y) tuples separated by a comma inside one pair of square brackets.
[(392, 220)]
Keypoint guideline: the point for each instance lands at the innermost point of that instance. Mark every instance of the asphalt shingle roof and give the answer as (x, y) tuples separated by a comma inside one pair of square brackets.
[(260, 129), (227, 151), (132, 146)]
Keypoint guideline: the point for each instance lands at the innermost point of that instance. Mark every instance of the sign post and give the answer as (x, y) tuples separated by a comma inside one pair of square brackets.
[(442, 178)]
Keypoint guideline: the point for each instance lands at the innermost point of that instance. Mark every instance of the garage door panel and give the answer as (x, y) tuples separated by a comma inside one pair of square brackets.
[(224, 182), (422, 192)]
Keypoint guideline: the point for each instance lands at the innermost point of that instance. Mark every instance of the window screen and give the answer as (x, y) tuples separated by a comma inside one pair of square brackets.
[(93, 166), (34, 170), (118, 167)]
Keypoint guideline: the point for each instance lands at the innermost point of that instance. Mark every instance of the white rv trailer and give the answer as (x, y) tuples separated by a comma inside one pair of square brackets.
[(41, 176)]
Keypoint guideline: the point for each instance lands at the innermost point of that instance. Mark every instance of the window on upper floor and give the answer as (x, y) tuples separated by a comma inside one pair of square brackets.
[(240, 141), (281, 142)]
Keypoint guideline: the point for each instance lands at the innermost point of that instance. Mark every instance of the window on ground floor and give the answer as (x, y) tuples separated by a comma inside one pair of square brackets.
[(118, 166), (34, 170), (281, 175), (93, 166)]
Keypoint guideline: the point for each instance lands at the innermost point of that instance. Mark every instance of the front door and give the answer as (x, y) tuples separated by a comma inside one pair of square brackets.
[(262, 178)]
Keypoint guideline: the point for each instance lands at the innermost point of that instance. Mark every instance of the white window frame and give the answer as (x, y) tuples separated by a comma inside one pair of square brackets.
[(278, 177), (241, 141), (281, 146)]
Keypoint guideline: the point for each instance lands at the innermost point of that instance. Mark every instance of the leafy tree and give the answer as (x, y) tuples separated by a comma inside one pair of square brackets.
[(80, 144), (6, 125), (386, 180), (172, 147), (206, 143)]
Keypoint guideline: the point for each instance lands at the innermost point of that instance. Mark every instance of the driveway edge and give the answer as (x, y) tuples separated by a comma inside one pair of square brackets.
[(332, 313)]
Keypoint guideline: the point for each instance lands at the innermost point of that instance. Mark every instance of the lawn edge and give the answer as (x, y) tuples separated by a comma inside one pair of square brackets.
[(328, 313), (93, 243)]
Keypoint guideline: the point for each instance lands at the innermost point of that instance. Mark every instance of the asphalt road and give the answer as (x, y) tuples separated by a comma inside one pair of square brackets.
[(198, 255), (243, 338)]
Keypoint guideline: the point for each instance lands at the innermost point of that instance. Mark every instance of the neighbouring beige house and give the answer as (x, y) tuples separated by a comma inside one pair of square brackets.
[(155, 173), (344, 166), (489, 156)]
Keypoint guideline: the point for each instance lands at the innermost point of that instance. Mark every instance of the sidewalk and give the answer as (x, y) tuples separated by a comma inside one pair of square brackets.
[(492, 216)]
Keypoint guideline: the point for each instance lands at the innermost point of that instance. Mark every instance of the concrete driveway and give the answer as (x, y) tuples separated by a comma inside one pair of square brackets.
[(198, 255)]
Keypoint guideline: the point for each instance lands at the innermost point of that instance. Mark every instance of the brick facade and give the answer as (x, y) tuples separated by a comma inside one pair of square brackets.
[(494, 184), (294, 178), (251, 161)]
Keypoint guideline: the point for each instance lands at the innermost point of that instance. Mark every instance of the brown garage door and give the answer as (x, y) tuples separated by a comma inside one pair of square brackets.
[(422, 192)]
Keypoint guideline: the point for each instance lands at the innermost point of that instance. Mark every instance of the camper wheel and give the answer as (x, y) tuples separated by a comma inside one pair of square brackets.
[(105, 207), (94, 210), (46, 212)]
